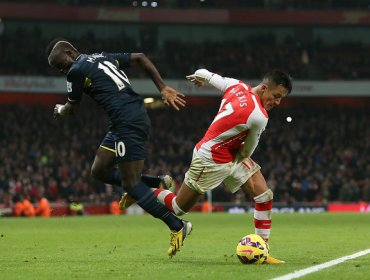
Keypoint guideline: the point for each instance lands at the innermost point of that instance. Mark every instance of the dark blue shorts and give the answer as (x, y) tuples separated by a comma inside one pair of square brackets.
[(128, 145)]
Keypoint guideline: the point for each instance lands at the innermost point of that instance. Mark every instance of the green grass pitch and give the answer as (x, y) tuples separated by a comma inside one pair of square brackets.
[(135, 247)]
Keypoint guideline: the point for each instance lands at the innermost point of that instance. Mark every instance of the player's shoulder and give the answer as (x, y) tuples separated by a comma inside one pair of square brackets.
[(116, 55), (238, 86), (79, 63), (85, 63), (75, 70), (246, 87)]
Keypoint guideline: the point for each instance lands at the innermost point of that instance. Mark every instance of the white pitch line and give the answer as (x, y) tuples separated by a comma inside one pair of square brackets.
[(303, 272)]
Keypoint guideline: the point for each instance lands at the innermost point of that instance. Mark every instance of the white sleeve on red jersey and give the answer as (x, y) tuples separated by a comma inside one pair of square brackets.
[(257, 124), (219, 82)]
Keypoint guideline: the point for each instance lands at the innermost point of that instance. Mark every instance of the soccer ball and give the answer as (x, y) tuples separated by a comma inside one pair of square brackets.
[(252, 249)]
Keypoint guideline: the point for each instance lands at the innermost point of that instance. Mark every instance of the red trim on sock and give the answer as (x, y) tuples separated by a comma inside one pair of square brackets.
[(157, 192), (265, 206), (168, 201), (262, 224)]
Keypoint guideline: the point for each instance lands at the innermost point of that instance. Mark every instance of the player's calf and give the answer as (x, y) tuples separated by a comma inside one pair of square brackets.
[(166, 183), (168, 199), (262, 214)]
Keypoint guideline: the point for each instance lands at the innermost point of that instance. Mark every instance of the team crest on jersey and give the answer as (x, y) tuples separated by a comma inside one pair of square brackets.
[(69, 87)]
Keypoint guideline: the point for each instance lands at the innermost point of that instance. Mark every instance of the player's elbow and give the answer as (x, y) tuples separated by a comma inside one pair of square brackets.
[(139, 58)]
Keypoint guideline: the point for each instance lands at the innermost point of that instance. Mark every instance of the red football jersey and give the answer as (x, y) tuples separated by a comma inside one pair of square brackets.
[(240, 119)]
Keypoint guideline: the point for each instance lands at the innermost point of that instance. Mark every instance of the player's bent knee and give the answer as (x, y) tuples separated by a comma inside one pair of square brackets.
[(266, 196)]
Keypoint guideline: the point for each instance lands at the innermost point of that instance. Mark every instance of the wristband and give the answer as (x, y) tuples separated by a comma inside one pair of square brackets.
[(203, 74)]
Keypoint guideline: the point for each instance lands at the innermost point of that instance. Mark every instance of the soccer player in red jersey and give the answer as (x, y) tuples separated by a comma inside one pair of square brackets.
[(223, 154)]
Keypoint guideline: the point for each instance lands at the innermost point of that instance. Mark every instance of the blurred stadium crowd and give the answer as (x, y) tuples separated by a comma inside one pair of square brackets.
[(320, 156), (250, 58)]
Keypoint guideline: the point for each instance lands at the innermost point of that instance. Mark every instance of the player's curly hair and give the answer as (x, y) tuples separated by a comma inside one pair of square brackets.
[(51, 45)]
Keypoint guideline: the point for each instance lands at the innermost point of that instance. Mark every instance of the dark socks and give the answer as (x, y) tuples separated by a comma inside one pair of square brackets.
[(114, 178), (151, 181), (146, 199)]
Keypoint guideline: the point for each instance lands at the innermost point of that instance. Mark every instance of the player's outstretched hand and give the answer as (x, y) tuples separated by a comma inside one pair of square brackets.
[(58, 110), (196, 80), (172, 97)]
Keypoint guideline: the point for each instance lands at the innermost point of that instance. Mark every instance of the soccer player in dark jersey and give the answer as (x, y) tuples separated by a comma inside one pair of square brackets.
[(100, 76)]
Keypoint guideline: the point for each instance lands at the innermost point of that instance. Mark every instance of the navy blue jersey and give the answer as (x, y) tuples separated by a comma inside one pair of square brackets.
[(100, 76)]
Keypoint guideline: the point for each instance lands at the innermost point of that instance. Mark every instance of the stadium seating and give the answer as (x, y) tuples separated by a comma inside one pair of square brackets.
[(22, 54)]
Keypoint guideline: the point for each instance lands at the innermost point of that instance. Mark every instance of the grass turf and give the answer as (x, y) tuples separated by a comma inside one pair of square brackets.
[(135, 247)]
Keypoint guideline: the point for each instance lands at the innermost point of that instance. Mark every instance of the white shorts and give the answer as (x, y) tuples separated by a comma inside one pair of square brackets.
[(204, 175)]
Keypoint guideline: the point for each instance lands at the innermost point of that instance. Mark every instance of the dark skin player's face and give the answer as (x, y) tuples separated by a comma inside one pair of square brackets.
[(62, 62)]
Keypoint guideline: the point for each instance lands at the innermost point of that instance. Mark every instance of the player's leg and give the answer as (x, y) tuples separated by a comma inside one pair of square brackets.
[(256, 187), (247, 176), (137, 189), (166, 183), (182, 202), (104, 169), (130, 144), (201, 176)]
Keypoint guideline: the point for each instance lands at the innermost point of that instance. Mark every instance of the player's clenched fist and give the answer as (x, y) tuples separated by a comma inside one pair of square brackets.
[(58, 110)]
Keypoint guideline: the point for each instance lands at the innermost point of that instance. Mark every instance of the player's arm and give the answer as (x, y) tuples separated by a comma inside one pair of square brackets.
[(66, 109), (257, 126), (203, 76), (75, 86), (169, 94), (250, 144)]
